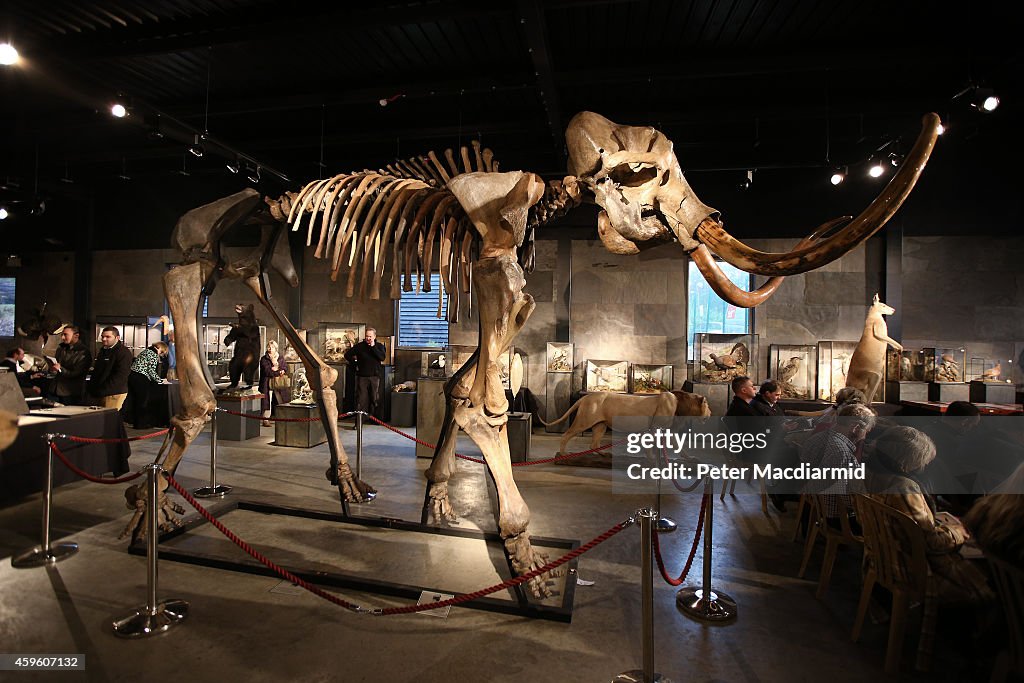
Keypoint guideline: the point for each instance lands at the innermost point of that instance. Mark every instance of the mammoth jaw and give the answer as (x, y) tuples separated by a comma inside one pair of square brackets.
[(633, 220)]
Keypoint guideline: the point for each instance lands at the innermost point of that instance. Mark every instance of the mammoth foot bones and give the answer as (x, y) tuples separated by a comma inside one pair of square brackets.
[(440, 505), (135, 498), (354, 490), (525, 559)]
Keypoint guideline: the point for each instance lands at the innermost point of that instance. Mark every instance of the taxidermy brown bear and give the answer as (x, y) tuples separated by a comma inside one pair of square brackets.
[(245, 334)]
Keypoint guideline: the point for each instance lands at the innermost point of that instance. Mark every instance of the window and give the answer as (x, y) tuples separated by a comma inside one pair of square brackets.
[(7, 288), (707, 312), (418, 324)]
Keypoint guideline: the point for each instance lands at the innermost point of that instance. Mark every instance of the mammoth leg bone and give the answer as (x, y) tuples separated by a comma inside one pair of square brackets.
[(503, 310), (321, 378), (443, 466), (183, 286)]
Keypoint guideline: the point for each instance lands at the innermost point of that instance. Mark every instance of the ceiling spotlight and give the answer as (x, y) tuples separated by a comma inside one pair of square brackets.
[(118, 111), (876, 169), (895, 159), (254, 176), (197, 149), (8, 55), (985, 99), (4, 213), (385, 101), (233, 166), (748, 181), (838, 176)]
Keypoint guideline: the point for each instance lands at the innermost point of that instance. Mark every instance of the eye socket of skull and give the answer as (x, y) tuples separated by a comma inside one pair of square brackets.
[(633, 175)]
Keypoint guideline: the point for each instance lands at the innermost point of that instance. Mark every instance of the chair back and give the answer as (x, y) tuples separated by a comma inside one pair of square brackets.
[(1009, 582), (894, 544), (818, 508)]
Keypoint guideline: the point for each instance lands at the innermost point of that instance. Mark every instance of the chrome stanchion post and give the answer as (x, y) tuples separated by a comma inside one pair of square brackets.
[(703, 603), (45, 554), (359, 444), (154, 617), (663, 524), (214, 490), (647, 518)]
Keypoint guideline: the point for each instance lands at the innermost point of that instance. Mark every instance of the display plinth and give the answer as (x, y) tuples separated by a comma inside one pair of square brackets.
[(896, 391), (403, 408), (520, 429), (718, 395), (298, 434), (947, 392), (235, 427), (992, 392), (429, 413)]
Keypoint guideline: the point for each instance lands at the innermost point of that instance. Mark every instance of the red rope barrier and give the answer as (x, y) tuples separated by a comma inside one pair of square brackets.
[(284, 573), (480, 461), (85, 439), (693, 549), (85, 475), (253, 416)]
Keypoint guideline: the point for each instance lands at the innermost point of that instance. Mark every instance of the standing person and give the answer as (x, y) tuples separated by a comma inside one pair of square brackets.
[(367, 356), (144, 374), (71, 367), (271, 366), (765, 403), (108, 385)]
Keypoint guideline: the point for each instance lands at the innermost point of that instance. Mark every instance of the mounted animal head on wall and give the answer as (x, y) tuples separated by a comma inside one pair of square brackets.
[(634, 176)]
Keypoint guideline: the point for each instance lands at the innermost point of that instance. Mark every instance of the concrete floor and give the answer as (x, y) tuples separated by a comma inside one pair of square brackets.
[(255, 628)]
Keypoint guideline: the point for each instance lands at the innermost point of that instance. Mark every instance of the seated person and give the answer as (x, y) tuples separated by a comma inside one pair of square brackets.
[(997, 520), (28, 381), (766, 401), (837, 446), (893, 466)]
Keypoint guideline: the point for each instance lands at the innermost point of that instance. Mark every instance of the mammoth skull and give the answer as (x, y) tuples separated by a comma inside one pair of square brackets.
[(636, 179)]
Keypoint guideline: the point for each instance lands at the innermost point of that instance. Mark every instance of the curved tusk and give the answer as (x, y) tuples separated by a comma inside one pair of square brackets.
[(870, 221), (730, 293)]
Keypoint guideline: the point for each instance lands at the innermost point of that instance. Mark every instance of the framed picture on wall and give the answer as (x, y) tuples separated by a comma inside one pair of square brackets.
[(337, 338)]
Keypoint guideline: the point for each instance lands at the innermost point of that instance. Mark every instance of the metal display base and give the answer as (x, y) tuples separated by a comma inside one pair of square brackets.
[(720, 608), (39, 557), (521, 606), (141, 623), (218, 491), (637, 676), (665, 525)]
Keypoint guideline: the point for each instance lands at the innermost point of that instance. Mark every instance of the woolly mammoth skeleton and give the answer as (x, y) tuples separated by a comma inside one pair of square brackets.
[(483, 220)]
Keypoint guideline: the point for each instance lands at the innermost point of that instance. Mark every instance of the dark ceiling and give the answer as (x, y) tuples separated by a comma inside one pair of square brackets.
[(786, 87)]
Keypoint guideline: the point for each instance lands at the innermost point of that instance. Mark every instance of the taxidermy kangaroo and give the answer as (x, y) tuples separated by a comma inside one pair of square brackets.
[(868, 363)]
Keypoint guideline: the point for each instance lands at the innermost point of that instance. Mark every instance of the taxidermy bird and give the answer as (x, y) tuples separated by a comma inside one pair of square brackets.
[(992, 373), (789, 369), (906, 368), (739, 355)]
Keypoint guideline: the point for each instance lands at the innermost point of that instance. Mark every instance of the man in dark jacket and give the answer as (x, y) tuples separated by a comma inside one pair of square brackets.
[(743, 393), (108, 385), (367, 357), (71, 367), (766, 401)]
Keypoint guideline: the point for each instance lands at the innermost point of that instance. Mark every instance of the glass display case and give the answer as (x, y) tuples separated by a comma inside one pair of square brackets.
[(904, 366), (337, 338), (217, 353), (650, 379), (460, 355), (606, 375), (135, 331), (302, 392), (794, 367), (559, 357), (434, 364), (722, 357), (833, 364), (944, 365), (997, 370)]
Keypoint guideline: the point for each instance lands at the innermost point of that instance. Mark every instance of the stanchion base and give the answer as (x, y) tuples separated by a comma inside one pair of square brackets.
[(141, 623), (369, 498), (719, 608), (637, 676), (664, 525), (39, 557), (218, 491)]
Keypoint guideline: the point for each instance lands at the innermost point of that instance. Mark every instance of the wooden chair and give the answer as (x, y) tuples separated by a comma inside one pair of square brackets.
[(801, 506), (731, 486), (833, 539), (1009, 582), (896, 552)]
